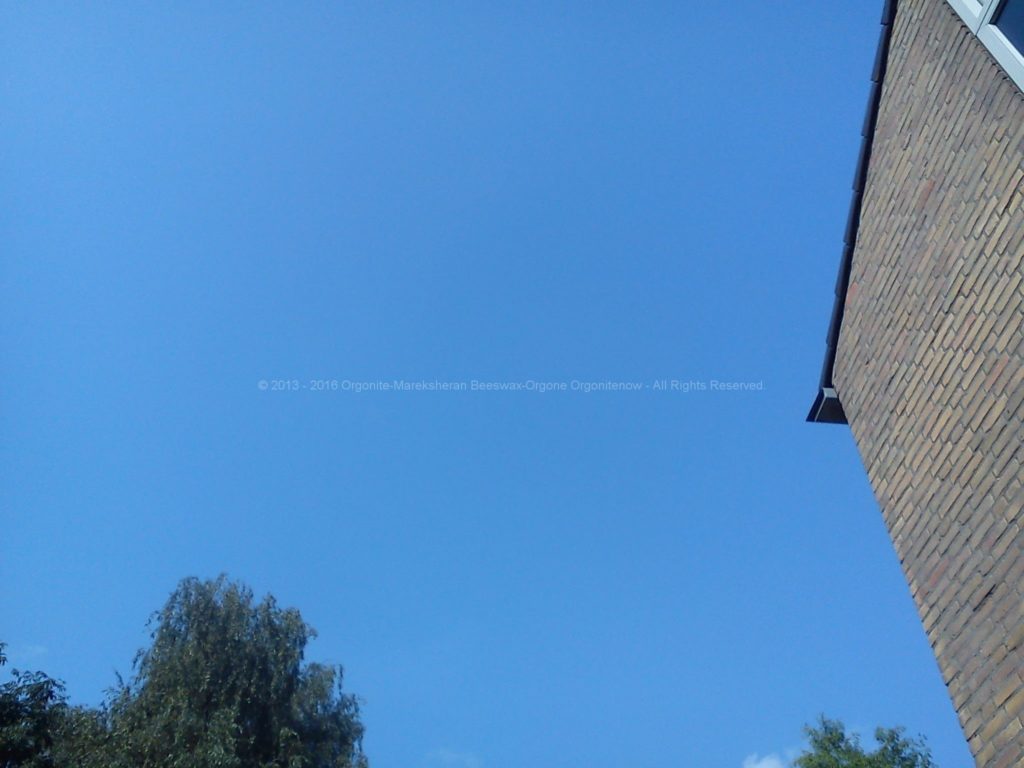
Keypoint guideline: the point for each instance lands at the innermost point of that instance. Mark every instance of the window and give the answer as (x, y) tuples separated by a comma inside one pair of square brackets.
[(1010, 21), (999, 24)]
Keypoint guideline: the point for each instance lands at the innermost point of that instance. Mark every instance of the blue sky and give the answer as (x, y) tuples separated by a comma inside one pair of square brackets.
[(197, 199)]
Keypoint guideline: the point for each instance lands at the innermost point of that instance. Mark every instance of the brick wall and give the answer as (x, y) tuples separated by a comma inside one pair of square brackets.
[(930, 364)]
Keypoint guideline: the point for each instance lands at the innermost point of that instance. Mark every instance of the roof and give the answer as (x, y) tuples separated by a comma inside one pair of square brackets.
[(826, 408)]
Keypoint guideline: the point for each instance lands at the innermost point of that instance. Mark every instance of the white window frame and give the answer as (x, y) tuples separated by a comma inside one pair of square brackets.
[(977, 15), (971, 11)]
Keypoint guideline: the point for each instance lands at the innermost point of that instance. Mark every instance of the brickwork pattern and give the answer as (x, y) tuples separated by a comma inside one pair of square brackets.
[(930, 364)]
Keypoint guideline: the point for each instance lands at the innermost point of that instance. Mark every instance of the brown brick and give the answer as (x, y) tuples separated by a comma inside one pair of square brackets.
[(930, 363)]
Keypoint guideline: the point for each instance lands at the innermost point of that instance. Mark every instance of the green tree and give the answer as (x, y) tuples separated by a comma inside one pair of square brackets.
[(31, 703), (224, 685), (83, 738), (832, 747)]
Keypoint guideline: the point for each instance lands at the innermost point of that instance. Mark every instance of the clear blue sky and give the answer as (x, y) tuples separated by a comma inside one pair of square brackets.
[(198, 198)]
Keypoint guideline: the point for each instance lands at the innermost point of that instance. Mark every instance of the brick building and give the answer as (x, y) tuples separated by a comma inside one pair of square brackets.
[(925, 353)]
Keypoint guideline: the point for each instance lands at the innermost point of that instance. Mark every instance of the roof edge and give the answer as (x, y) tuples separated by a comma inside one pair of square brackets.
[(826, 408)]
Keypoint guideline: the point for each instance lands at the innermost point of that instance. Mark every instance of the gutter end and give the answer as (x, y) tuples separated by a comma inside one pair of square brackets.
[(827, 409)]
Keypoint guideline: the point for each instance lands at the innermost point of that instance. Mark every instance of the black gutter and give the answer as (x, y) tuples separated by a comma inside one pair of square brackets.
[(827, 409)]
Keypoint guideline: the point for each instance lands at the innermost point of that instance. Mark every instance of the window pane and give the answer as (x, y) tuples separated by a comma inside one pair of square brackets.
[(1010, 21)]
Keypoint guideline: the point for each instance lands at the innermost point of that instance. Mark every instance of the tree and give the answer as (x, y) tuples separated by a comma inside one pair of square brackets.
[(224, 684), (30, 705), (832, 747)]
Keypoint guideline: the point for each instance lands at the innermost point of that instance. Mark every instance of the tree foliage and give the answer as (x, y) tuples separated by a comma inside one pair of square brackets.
[(224, 684), (31, 704), (832, 747)]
